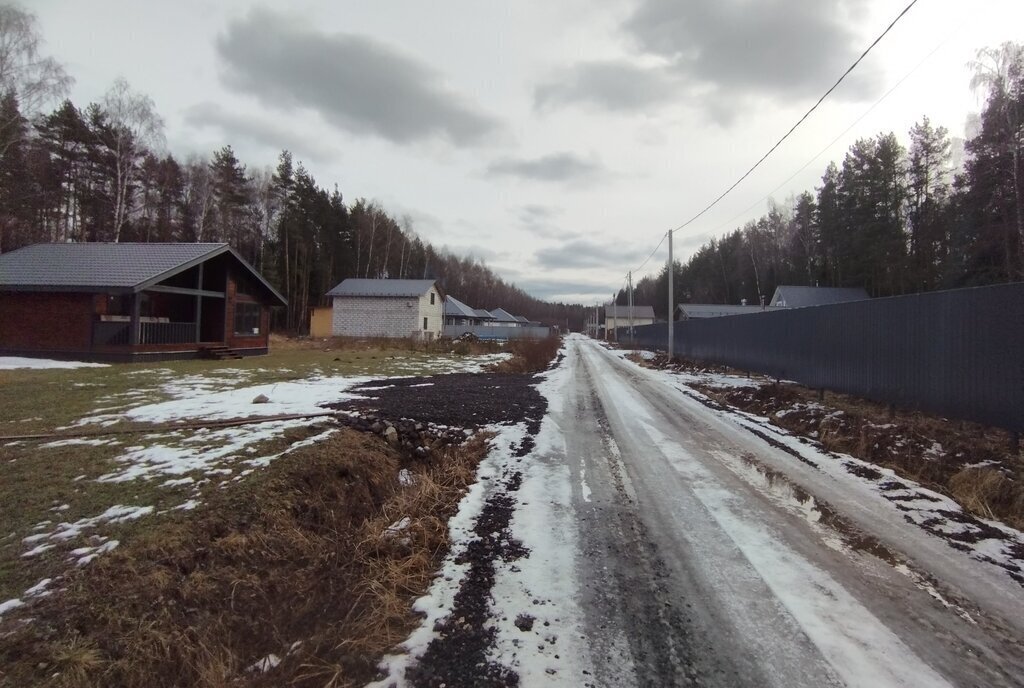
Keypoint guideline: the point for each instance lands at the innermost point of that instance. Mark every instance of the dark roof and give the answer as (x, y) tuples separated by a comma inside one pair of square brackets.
[(800, 297), (622, 312), (101, 266), (522, 318), (454, 307), (714, 310), (483, 314), (383, 287)]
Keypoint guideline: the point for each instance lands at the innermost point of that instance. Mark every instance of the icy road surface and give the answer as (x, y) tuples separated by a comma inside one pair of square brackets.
[(673, 543), (693, 567)]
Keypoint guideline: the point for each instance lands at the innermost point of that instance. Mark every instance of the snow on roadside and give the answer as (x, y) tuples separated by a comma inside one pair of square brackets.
[(990, 542), (551, 650), (20, 363)]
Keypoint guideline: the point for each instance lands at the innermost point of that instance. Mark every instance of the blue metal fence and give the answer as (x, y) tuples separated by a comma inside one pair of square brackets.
[(957, 353)]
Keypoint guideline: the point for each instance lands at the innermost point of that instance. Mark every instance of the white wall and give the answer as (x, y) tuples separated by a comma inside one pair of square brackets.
[(433, 313)]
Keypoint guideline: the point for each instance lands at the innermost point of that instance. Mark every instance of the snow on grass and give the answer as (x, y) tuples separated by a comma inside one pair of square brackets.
[(85, 555), (10, 605), (18, 362), (294, 397), (65, 531)]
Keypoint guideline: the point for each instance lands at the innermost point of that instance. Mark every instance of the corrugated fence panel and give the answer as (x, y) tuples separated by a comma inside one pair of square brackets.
[(954, 353), (496, 332)]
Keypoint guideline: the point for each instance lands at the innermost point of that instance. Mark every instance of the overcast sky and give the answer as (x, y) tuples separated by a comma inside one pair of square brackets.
[(557, 141)]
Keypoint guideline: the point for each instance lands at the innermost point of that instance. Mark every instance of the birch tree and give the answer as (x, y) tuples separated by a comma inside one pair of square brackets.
[(135, 128), (33, 79)]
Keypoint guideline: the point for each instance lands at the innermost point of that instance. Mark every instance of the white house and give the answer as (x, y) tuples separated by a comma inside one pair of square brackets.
[(395, 308), (620, 316)]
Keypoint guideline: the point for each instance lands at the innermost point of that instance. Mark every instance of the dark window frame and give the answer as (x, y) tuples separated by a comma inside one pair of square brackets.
[(248, 316), (425, 319)]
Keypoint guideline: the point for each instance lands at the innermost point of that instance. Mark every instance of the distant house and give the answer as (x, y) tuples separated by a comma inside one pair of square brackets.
[(461, 319), (690, 311), (395, 308), (131, 302), (621, 316), (801, 297), (458, 313), (502, 318)]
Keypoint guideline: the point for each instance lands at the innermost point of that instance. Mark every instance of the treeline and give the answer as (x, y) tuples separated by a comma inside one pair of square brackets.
[(100, 173), (891, 218)]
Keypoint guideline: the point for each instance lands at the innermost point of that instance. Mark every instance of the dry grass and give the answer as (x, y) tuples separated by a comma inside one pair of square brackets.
[(933, 451), (434, 346), (529, 355), (299, 553)]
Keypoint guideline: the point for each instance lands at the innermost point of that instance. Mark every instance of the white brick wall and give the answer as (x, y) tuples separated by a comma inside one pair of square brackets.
[(376, 316)]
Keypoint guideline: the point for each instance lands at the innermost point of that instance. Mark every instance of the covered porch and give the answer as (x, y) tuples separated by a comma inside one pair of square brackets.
[(188, 310)]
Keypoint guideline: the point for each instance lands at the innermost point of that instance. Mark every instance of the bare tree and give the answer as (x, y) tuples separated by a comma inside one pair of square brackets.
[(135, 129), (1001, 71), (33, 79), (198, 193)]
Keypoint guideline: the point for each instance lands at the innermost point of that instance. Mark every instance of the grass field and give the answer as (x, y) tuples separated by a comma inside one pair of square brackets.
[(65, 499)]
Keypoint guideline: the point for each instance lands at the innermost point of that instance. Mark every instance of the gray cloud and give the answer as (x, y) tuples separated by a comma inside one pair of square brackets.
[(775, 48), (238, 127), (581, 253), (354, 82), (569, 290), (556, 167), (722, 56), (610, 85), (540, 220)]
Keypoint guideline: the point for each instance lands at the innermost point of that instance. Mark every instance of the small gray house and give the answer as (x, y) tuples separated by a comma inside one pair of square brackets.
[(392, 308)]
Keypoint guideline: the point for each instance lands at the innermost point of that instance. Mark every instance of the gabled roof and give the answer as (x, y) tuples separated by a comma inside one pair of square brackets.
[(714, 310), (502, 315), (622, 312), (454, 307), (800, 297), (384, 287), (522, 318), (128, 267), (483, 314)]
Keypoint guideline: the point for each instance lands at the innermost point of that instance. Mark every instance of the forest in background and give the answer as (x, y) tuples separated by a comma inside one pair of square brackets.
[(100, 173), (893, 219)]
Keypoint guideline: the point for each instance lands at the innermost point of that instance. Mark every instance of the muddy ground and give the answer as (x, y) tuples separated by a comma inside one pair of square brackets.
[(424, 408)]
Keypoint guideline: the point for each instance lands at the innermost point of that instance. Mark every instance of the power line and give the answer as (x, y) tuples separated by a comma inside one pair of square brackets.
[(802, 119), (841, 135), (648, 258), (788, 133)]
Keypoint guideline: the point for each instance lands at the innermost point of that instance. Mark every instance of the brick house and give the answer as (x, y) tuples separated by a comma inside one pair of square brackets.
[(394, 308), (132, 302)]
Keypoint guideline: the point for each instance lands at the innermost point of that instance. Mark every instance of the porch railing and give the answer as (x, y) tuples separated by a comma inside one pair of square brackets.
[(119, 333)]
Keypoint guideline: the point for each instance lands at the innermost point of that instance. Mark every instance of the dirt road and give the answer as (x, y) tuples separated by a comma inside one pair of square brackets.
[(707, 556)]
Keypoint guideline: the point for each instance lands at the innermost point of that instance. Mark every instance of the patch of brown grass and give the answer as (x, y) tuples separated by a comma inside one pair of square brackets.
[(529, 355), (935, 452), (299, 553)]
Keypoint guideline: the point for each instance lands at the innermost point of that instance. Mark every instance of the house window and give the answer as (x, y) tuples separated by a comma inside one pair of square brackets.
[(431, 303), (425, 321), (247, 318)]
